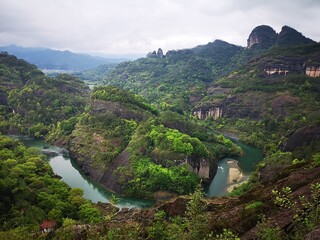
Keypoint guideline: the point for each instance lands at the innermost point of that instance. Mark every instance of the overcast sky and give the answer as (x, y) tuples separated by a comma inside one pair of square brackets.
[(140, 26)]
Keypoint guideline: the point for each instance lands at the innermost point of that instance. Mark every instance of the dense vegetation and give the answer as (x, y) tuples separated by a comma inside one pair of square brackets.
[(266, 108), (142, 148), (30, 101), (172, 80), (138, 146), (95, 75), (31, 194)]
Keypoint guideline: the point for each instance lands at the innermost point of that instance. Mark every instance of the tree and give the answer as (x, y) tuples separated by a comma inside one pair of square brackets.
[(196, 222), (90, 214), (158, 228)]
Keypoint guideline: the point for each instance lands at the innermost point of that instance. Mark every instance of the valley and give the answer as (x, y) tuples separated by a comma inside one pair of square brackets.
[(145, 146)]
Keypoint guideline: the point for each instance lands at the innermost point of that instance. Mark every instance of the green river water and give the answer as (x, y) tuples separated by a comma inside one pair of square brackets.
[(247, 162), (71, 174)]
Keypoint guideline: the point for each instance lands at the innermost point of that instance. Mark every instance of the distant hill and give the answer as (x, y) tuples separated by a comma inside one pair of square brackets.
[(178, 79), (95, 75), (45, 58), (31, 101)]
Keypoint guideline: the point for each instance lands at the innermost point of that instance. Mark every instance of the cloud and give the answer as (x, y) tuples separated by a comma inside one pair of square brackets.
[(140, 26)]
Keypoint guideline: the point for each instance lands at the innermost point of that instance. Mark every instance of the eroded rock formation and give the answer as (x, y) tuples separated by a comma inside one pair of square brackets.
[(154, 54), (265, 36), (262, 35), (213, 112), (313, 71), (277, 71), (200, 168)]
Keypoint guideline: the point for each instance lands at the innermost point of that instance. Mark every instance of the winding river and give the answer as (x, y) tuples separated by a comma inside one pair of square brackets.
[(71, 174), (247, 162)]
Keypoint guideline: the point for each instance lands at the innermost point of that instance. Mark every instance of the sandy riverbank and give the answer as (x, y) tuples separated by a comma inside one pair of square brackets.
[(235, 175)]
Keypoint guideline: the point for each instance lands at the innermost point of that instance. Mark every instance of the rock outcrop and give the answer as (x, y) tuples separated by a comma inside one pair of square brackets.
[(231, 106), (160, 53), (277, 71), (265, 37), (313, 71), (302, 137), (202, 168), (262, 35), (110, 179), (211, 112), (292, 64), (154, 54)]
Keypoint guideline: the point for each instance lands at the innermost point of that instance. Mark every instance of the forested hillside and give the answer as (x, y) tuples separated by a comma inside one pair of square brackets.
[(33, 198), (177, 80), (99, 131), (153, 130), (268, 88), (31, 102), (131, 148)]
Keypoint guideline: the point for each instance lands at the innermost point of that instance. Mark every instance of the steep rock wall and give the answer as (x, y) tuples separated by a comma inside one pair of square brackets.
[(213, 112), (203, 168), (112, 180), (200, 168), (277, 71), (287, 65), (313, 71)]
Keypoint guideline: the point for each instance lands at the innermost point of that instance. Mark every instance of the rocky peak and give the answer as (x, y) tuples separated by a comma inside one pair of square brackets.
[(265, 37), (160, 53), (263, 34), (154, 54), (290, 36)]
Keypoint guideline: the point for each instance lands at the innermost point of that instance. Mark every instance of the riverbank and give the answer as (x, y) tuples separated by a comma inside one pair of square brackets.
[(72, 175), (235, 175), (231, 135)]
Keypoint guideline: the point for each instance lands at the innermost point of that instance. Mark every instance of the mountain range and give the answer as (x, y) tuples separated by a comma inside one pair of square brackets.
[(155, 130), (49, 59)]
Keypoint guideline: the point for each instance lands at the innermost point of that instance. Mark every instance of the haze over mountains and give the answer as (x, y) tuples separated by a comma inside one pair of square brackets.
[(45, 58)]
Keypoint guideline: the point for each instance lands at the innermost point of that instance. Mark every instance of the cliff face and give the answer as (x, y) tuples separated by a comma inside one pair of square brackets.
[(286, 68), (277, 71), (313, 71), (233, 106), (113, 180), (263, 35), (202, 168), (248, 105), (212, 112)]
